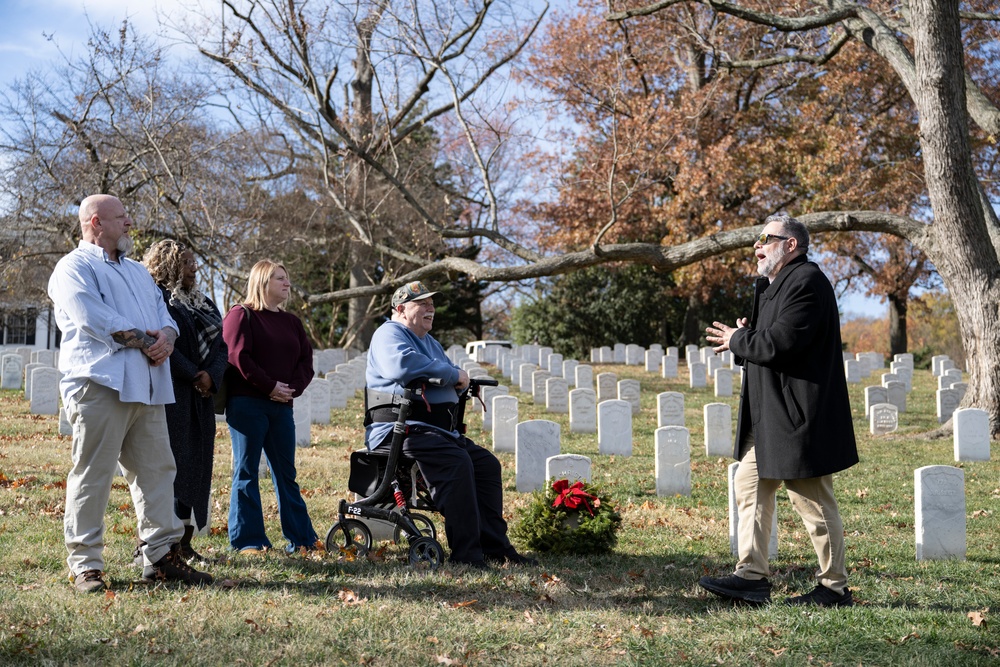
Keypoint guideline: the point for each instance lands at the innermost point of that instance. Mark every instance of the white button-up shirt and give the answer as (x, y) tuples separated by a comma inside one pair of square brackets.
[(95, 297)]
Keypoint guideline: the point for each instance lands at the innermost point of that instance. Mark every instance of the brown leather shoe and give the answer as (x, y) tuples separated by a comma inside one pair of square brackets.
[(90, 581), (173, 568)]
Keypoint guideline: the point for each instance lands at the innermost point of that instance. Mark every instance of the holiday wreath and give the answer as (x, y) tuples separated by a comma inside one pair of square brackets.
[(569, 519)]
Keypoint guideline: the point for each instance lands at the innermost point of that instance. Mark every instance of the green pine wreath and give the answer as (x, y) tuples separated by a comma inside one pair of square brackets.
[(569, 519)]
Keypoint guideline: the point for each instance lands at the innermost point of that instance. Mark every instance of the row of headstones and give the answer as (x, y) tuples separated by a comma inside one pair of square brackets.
[(33, 369), (939, 497), (534, 441)]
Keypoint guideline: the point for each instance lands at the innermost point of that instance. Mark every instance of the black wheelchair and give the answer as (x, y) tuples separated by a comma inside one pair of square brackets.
[(389, 485)]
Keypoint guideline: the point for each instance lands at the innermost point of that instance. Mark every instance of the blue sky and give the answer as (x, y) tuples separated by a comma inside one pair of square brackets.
[(33, 32)]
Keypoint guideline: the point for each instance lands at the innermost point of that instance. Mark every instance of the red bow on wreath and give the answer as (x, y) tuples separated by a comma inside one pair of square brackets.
[(573, 496)]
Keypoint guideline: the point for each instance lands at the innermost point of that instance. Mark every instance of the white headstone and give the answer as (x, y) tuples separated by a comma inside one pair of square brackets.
[(614, 427), (946, 401), (619, 353), (569, 371), (341, 389), (543, 357), (905, 376), (607, 386), (723, 382), (318, 395), (960, 387), (46, 357), (939, 508), (538, 380), (536, 441), (718, 429), (852, 370), (584, 376), (669, 409), (936, 361), (713, 363), (895, 393), (634, 354), (12, 371), (606, 356), (504, 423), (571, 467), (653, 360), (874, 395), (27, 377), (302, 414), (668, 366), (673, 461), (583, 411), (692, 354), (629, 390), (556, 396), (971, 434), (734, 520), (487, 394), (883, 418), (889, 377), (556, 365), (44, 391), (525, 385), (864, 363), (698, 375)]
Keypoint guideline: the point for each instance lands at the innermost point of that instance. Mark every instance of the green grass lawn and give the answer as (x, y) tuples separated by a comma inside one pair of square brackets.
[(638, 606)]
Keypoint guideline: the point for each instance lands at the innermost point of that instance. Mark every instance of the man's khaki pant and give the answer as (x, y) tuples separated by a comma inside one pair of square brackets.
[(812, 499)]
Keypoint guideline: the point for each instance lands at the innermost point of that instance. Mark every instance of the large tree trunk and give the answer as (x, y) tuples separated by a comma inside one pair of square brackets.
[(960, 220), (898, 305)]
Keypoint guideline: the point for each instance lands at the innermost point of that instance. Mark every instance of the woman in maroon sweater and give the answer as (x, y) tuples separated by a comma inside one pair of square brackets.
[(269, 349)]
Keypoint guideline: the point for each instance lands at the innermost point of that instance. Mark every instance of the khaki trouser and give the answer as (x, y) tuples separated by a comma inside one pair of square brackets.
[(812, 499), (108, 433)]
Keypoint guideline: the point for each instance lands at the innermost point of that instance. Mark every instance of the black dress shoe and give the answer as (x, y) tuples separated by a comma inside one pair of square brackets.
[(756, 591)]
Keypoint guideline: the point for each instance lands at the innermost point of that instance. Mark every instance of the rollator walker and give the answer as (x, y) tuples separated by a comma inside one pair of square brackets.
[(390, 484)]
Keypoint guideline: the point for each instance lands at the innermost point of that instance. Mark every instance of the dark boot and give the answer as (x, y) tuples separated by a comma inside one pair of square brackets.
[(184, 548)]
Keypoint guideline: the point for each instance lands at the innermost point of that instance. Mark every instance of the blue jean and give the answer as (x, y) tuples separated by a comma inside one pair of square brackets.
[(256, 425)]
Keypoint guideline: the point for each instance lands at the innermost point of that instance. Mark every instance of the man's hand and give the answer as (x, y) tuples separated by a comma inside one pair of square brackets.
[(160, 350), (463, 380), (720, 334)]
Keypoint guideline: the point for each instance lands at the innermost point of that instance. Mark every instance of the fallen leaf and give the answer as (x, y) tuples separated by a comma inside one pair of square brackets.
[(445, 660), (349, 597), (459, 605), (978, 619), (528, 618)]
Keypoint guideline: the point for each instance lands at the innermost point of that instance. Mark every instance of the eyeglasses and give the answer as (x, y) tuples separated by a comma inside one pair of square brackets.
[(764, 239)]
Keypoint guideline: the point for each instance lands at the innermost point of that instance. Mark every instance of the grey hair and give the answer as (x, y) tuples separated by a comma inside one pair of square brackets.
[(792, 227)]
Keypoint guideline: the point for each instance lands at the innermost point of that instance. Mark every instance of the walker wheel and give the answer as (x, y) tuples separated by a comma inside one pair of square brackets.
[(423, 524), (350, 537), (426, 551)]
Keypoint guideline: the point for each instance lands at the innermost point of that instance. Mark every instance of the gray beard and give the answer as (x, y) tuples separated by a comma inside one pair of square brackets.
[(770, 265), (125, 245)]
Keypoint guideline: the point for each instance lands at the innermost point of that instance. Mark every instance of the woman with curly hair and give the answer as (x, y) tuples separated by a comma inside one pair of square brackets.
[(197, 365)]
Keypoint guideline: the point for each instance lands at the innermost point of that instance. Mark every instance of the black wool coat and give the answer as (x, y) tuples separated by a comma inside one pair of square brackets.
[(794, 397), (191, 417)]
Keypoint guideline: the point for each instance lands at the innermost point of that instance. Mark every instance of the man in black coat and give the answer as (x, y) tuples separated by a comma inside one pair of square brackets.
[(794, 425)]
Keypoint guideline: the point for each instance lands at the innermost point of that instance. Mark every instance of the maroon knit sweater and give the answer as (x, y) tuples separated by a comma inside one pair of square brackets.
[(267, 347)]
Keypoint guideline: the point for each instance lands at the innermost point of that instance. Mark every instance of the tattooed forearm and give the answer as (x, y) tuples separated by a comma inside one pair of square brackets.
[(136, 338)]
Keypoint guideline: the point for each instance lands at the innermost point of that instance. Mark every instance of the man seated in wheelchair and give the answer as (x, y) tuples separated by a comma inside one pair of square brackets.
[(456, 470)]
